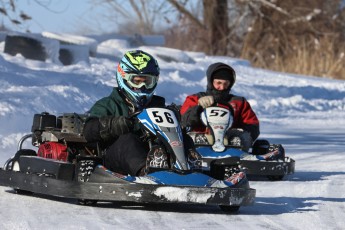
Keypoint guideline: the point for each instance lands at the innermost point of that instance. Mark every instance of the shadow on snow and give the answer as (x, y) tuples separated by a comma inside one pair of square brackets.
[(281, 205)]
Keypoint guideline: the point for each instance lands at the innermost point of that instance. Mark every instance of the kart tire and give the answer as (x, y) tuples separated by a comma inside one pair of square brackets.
[(14, 166), (29, 48), (275, 178), (23, 192), (66, 56), (22, 152), (229, 209), (260, 147), (86, 202)]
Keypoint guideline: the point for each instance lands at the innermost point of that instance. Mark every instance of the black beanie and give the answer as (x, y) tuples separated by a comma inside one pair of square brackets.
[(223, 74), (219, 70)]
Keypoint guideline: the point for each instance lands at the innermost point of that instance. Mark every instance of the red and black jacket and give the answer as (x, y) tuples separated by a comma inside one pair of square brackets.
[(244, 116)]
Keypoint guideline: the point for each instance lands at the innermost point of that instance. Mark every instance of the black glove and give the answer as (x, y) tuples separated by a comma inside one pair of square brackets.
[(113, 127), (121, 125)]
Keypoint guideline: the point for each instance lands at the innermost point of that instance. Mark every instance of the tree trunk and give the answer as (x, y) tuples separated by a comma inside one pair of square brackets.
[(216, 22)]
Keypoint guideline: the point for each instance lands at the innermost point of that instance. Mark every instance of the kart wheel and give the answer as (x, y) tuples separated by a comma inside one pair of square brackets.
[(23, 192), (13, 164), (260, 147), (275, 178), (86, 202), (29, 48), (229, 209)]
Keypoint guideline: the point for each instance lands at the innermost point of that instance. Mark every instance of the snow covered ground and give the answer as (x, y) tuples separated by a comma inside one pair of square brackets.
[(305, 114)]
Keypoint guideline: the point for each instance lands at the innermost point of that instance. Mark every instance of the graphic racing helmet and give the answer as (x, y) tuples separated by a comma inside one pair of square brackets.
[(137, 76)]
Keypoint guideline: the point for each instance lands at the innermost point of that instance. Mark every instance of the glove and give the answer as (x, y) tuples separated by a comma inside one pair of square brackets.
[(121, 125), (113, 127), (206, 101)]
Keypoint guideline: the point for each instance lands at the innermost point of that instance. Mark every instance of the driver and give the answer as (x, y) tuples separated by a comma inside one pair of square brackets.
[(220, 79), (108, 123)]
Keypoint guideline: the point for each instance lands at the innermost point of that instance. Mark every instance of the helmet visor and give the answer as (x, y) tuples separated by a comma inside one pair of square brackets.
[(140, 80)]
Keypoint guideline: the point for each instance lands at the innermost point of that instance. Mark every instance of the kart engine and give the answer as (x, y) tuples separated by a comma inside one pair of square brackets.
[(53, 134), (53, 150)]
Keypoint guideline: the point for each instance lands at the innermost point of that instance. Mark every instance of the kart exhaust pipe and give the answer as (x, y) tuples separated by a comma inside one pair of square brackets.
[(21, 141)]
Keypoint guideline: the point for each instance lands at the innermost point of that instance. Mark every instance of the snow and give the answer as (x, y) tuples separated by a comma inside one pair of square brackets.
[(304, 113), (181, 195)]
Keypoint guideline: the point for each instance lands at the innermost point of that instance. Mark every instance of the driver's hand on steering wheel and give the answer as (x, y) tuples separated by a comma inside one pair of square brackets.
[(206, 101)]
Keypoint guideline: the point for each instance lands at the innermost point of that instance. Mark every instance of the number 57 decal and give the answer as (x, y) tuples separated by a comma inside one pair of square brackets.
[(218, 112)]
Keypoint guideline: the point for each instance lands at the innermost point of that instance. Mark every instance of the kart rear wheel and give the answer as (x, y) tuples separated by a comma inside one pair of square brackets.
[(13, 163), (23, 192), (86, 202), (275, 178), (229, 209)]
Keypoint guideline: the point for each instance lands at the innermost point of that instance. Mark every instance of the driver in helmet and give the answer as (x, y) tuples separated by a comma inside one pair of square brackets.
[(220, 79), (109, 125)]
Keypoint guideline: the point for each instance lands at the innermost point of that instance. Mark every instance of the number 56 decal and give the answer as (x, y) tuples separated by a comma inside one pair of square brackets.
[(162, 117)]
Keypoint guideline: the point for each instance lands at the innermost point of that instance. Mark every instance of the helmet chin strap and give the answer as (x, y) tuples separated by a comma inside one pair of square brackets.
[(142, 100), (130, 104)]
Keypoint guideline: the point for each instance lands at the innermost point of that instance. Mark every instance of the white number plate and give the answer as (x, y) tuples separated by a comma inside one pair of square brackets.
[(162, 117)]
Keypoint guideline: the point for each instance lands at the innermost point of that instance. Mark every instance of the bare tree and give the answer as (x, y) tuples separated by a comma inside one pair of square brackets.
[(215, 24), (8, 9), (270, 33), (285, 29), (216, 21), (17, 16), (211, 29), (134, 16)]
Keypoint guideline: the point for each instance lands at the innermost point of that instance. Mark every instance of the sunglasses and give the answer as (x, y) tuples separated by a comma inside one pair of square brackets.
[(140, 80)]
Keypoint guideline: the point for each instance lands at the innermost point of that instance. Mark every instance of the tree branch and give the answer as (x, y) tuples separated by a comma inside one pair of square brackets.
[(269, 4), (184, 11)]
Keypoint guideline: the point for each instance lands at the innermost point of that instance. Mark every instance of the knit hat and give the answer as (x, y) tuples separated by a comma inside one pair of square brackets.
[(224, 74), (225, 71)]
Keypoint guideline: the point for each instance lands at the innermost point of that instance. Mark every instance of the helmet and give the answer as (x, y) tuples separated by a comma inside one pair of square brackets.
[(137, 76)]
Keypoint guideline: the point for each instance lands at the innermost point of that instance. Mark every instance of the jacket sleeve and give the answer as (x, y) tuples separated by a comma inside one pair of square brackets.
[(94, 127), (91, 130), (249, 120), (190, 113)]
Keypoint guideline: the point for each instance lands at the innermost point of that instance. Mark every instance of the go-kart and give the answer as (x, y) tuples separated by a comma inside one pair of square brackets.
[(218, 144), (65, 165)]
